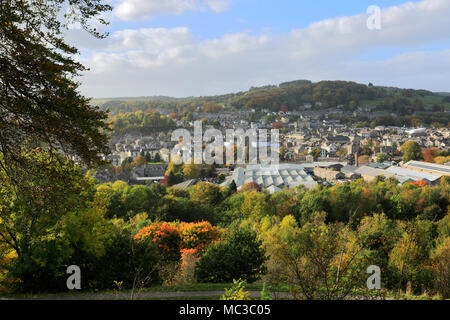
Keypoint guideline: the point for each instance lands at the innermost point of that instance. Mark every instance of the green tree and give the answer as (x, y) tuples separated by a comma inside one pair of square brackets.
[(232, 188), (411, 151), (46, 216), (39, 94), (382, 157), (238, 256), (157, 158), (315, 153)]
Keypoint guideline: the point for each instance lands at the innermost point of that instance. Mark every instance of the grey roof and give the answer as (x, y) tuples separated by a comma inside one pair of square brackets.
[(414, 175), (275, 176), (429, 166), (373, 172), (349, 169), (379, 165), (186, 184)]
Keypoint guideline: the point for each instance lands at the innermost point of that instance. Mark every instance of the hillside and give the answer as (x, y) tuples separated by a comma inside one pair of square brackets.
[(426, 106)]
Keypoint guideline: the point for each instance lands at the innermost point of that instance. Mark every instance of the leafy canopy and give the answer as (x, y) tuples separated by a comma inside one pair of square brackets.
[(39, 98)]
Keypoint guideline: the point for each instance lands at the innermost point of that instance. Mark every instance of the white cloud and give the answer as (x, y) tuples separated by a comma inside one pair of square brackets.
[(175, 62), (145, 9)]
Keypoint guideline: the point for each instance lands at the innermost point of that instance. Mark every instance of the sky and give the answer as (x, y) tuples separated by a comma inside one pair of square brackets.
[(186, 48)]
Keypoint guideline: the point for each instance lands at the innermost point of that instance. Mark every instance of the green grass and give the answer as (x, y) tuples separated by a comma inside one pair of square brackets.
[(198, 287), (180, 288)]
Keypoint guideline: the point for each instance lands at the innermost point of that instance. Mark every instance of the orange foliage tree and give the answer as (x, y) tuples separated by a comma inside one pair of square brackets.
[(430, 154), (419, 183), (180, 236), (277, 125), (363, 160)]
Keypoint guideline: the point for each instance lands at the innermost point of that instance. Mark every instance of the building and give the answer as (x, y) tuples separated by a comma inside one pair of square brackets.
[(430, 178), (350, 172), (271, 177), (328, 174), (426, 167)]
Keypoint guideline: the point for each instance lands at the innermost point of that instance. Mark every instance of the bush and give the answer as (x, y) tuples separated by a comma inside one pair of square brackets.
[(125, 260), (236, 292), (238, 256)]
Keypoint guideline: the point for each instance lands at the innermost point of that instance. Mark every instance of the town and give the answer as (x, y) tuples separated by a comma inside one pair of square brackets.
[(314, 149)]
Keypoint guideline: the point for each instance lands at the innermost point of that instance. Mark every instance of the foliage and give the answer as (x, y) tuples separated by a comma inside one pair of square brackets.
[(47, 218), (40, 98), (440, 267), (238, 255), (141, 122), (411, 151), (410, 254), (320, 261), (236, 292)]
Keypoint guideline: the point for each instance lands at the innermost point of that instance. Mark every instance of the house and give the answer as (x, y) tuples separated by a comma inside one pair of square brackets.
[(350, 172), (328, 174), (149, 172)]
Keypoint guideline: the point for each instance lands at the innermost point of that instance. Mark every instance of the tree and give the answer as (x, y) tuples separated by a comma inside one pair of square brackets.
[(363, 160), (206, 193), (148, 157), (411, 151), (46, 217), (382, 157), (191, 170), (410, 254), (39, 97), (139, 161), (319, 261), (430, 154), (232, 188), (277, 125), (315, 152), (441, 268), (157, 158), (238, 256)]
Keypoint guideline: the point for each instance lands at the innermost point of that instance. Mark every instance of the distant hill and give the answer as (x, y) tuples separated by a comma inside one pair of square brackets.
[(427, 106)]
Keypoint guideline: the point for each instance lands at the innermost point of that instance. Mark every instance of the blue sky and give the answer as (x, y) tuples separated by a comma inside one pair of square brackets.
[(256, 15), (202, 47)]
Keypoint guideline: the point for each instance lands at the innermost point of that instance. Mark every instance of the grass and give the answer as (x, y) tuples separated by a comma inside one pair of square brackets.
[(198, 287)]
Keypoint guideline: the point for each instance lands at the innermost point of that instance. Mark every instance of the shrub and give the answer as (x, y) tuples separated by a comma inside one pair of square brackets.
[(238, 256), (165, 235), (236, 292)]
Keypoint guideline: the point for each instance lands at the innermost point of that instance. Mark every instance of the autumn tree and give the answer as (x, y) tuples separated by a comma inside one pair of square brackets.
[(40, 101), (191, 170), (206, 193), (430, 154), (139, 161), (319, 261)]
